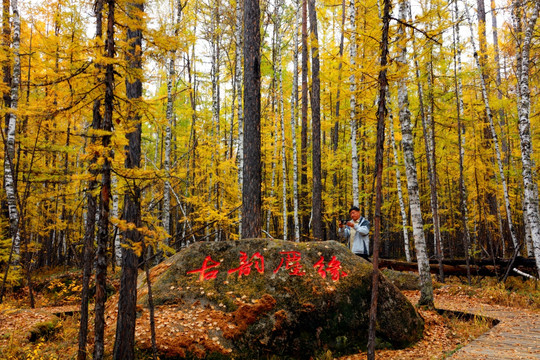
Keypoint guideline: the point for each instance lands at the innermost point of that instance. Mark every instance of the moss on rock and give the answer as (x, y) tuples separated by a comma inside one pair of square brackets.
[(261, 297)]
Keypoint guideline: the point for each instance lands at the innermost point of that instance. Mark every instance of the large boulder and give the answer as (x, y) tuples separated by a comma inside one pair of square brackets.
[(256, 297)]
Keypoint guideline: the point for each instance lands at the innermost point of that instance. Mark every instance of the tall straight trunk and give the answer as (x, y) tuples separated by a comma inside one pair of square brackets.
[(495, 140), (400, 197), (103, 223), (498, 79), (239, 109), (294, 117), (461, 140), (354, 125), (379, 154), (124, 345), (429, 149), (279, 12), (116, 249), (303, 136), (273, 101), (10, 180), (251, 191), (402, 104), (428, 124), (90, 226), (426, 285), (337, 201), (315, 125), (524, 107), (166, 213)]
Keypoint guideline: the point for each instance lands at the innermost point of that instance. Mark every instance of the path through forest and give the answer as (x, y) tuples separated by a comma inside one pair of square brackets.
[(516, 336)]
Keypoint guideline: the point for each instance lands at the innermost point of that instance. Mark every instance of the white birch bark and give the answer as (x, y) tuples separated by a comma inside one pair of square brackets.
[(352, 79), (166, 213), (114, 214), (525, 134), (239, 110), (279, 11), (495, 138), (528, 233), (9, 175), (461, 137), (400, 196), (426, 285), (294, 117)]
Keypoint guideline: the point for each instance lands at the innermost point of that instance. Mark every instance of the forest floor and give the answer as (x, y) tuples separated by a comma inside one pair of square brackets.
[(443, 336)]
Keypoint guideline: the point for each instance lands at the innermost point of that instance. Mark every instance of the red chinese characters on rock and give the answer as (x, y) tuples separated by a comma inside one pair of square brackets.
[(292, 263), (204, 273), (333, 268), (245, 265)]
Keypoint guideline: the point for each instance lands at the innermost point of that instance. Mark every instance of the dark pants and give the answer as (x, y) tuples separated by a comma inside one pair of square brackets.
[(365, 256)]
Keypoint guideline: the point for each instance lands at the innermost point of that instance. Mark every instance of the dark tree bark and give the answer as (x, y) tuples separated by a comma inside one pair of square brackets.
[(104, 202), (90, 226), (316, 125), (379, 158), (303, 134), (124, 345), (251, 190)]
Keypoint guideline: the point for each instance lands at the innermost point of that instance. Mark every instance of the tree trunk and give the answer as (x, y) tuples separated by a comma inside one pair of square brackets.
[(90, 226), (124, 345), (495, 140), (10, 177), (381, 116), (461, 141), (354, 125), (279, 12), (400, 196), (303, 135), (316, 125), (103, 222), (426, 285), (251, 190), (525, 131), (239, 110), (294, 117)]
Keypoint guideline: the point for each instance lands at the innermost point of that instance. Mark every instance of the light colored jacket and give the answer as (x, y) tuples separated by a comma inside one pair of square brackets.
[(358, 236)]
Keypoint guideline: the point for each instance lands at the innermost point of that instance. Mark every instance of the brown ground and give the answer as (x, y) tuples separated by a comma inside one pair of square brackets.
[(441, 336)]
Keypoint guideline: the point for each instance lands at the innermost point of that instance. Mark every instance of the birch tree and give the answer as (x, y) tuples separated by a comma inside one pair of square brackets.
[(10, 183), (524, 124), (239, 108), (279, 15), (494, 137), (352, 80), (294, 117), (461, 138), (407, 141)]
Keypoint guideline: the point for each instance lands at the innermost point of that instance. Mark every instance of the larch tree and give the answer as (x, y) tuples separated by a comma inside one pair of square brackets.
[(91, 205), (124, 345), (315, 101), (105, 192), (251, 190)]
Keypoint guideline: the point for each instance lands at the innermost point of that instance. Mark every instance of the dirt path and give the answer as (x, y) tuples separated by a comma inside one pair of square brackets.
[(516, 336)]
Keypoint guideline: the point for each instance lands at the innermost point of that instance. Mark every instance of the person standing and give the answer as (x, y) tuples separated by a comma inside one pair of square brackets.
[(356, 230)]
